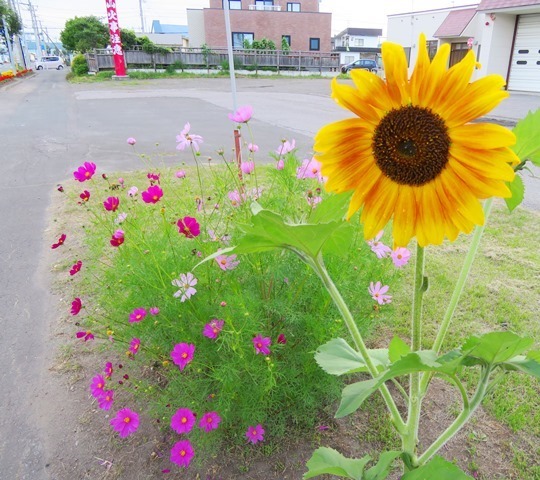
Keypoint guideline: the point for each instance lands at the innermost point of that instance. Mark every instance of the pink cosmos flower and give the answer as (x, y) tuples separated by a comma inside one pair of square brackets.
[(182, 354), (310, 168), (280, 165), (400, 256), (379, 248), (209, 421), (186, 282), (126, 422), (154, 311), (117, 238), (236, 198), (131, 141), (286, 147), (85, 196), (242, 114), (111, 204), (106, 400), (85, 172), (97, 387), (261, 344), (121, 181), (152, 194), (378, 293), (134, 346), (85, 335), (183, 420), (282, 339), (120, 218), (185, 139), (60, 188), (181, 453), (247, 167), (255, 434), (108, 370), (76, 306), (253, 148), (312, 200), (59, 242), (180, 174), (132, 192), (76, 267), (153, 177), (227, 262), (137, 315), (212, 329), (189, 227)]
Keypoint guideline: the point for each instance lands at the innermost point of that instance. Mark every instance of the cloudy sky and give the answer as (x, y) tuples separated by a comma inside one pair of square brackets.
[(345, 13)]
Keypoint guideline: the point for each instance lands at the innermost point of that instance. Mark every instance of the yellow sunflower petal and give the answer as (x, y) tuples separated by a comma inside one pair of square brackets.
[(343, 135), (489, 163), (481, 186), (482, 135), (395, 66), (430, 230), (420, 70), (379, 207), (404, 224), (360, 193), (349, 98), (433, 80), (460, 194), (371, 88)]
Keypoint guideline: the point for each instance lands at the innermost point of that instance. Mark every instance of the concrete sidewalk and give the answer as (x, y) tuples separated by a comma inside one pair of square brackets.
[(516, 107)]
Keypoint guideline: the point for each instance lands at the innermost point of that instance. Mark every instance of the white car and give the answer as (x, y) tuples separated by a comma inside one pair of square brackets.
[(50, 62)]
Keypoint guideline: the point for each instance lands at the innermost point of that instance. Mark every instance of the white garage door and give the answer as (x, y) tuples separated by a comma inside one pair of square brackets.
[(525, 68)]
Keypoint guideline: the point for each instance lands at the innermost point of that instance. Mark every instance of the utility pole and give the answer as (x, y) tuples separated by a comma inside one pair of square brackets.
[(16, 46), (24, 46), (10, 51), (142, 15), (35, 28)]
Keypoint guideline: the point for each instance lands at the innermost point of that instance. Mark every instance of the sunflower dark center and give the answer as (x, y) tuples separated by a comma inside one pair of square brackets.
[(411, 145)]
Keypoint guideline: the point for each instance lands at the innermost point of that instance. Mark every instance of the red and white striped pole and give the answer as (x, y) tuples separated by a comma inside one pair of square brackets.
[(115, 40)]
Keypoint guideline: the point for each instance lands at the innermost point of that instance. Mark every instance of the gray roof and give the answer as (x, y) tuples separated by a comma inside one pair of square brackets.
[(158, 27), (361, 32)]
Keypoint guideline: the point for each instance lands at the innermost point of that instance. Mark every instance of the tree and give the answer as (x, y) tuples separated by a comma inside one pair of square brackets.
[(13, 22), (129, 39), (82, 34)]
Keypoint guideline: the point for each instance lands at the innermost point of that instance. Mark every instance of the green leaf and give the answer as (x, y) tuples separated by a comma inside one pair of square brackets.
[(337, 357), (382, 469), (222, 251), (332, 208), (328, 461), (397, 349), (269, 231), (439, 469), (527, 133), (524, 364), (495, 347), (517, 188)]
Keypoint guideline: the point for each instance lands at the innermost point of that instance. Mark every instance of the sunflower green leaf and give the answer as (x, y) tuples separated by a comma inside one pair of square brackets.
[(328, 461), (438, 468), (527, 145)]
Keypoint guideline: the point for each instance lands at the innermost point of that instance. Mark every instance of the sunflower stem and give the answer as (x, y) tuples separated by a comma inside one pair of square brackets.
[(410, 439), (458, 290), (318, 265)]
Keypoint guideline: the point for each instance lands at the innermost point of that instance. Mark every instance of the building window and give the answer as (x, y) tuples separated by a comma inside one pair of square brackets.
[(358, 42), (286, 38), (241, 39), (314, 44), (293, 7), (263, 3), (431, 48), (234, 4)]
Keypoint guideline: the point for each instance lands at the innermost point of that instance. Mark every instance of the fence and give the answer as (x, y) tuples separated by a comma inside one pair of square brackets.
[(214, 58)]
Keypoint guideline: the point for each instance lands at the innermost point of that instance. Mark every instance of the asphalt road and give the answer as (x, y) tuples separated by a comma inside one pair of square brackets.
[(47, 129)]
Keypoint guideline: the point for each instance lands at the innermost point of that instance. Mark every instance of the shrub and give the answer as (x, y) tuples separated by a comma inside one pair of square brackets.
[(79, 65), (238, 64)]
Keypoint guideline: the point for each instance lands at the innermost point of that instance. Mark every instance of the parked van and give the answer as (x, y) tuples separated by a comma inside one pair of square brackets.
[(50, 62)]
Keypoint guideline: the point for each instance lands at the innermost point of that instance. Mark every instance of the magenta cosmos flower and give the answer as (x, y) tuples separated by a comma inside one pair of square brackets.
[(247, 167), (85, 196), (75, 268), (379, 248), (153, 177), (126, 422), (111, 204), (186, 282), (255, 434), (97, 387), (282, 339), (181, 453), (137, 315), (76, 306), (189, 227), (131, 141), (85, 172), (86, 335), (154, 311), (227, 262), (106, 400), (183, 420), (182, 354), (242, 114), (59, 242), (152, 194), (400, 256), (108, 369), (209, 421), (261, 344), (134, 346), (117, 238), (286, 147), (212, 329), (378, 293), (186, 139)]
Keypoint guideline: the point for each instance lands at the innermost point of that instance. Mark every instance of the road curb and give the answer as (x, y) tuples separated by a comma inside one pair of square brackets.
[(16, 81)]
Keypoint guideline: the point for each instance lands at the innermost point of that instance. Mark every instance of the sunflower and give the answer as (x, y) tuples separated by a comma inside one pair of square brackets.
[(411, 155)]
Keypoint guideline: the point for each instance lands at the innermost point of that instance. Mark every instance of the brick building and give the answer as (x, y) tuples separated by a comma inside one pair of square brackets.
[(300, 22)]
